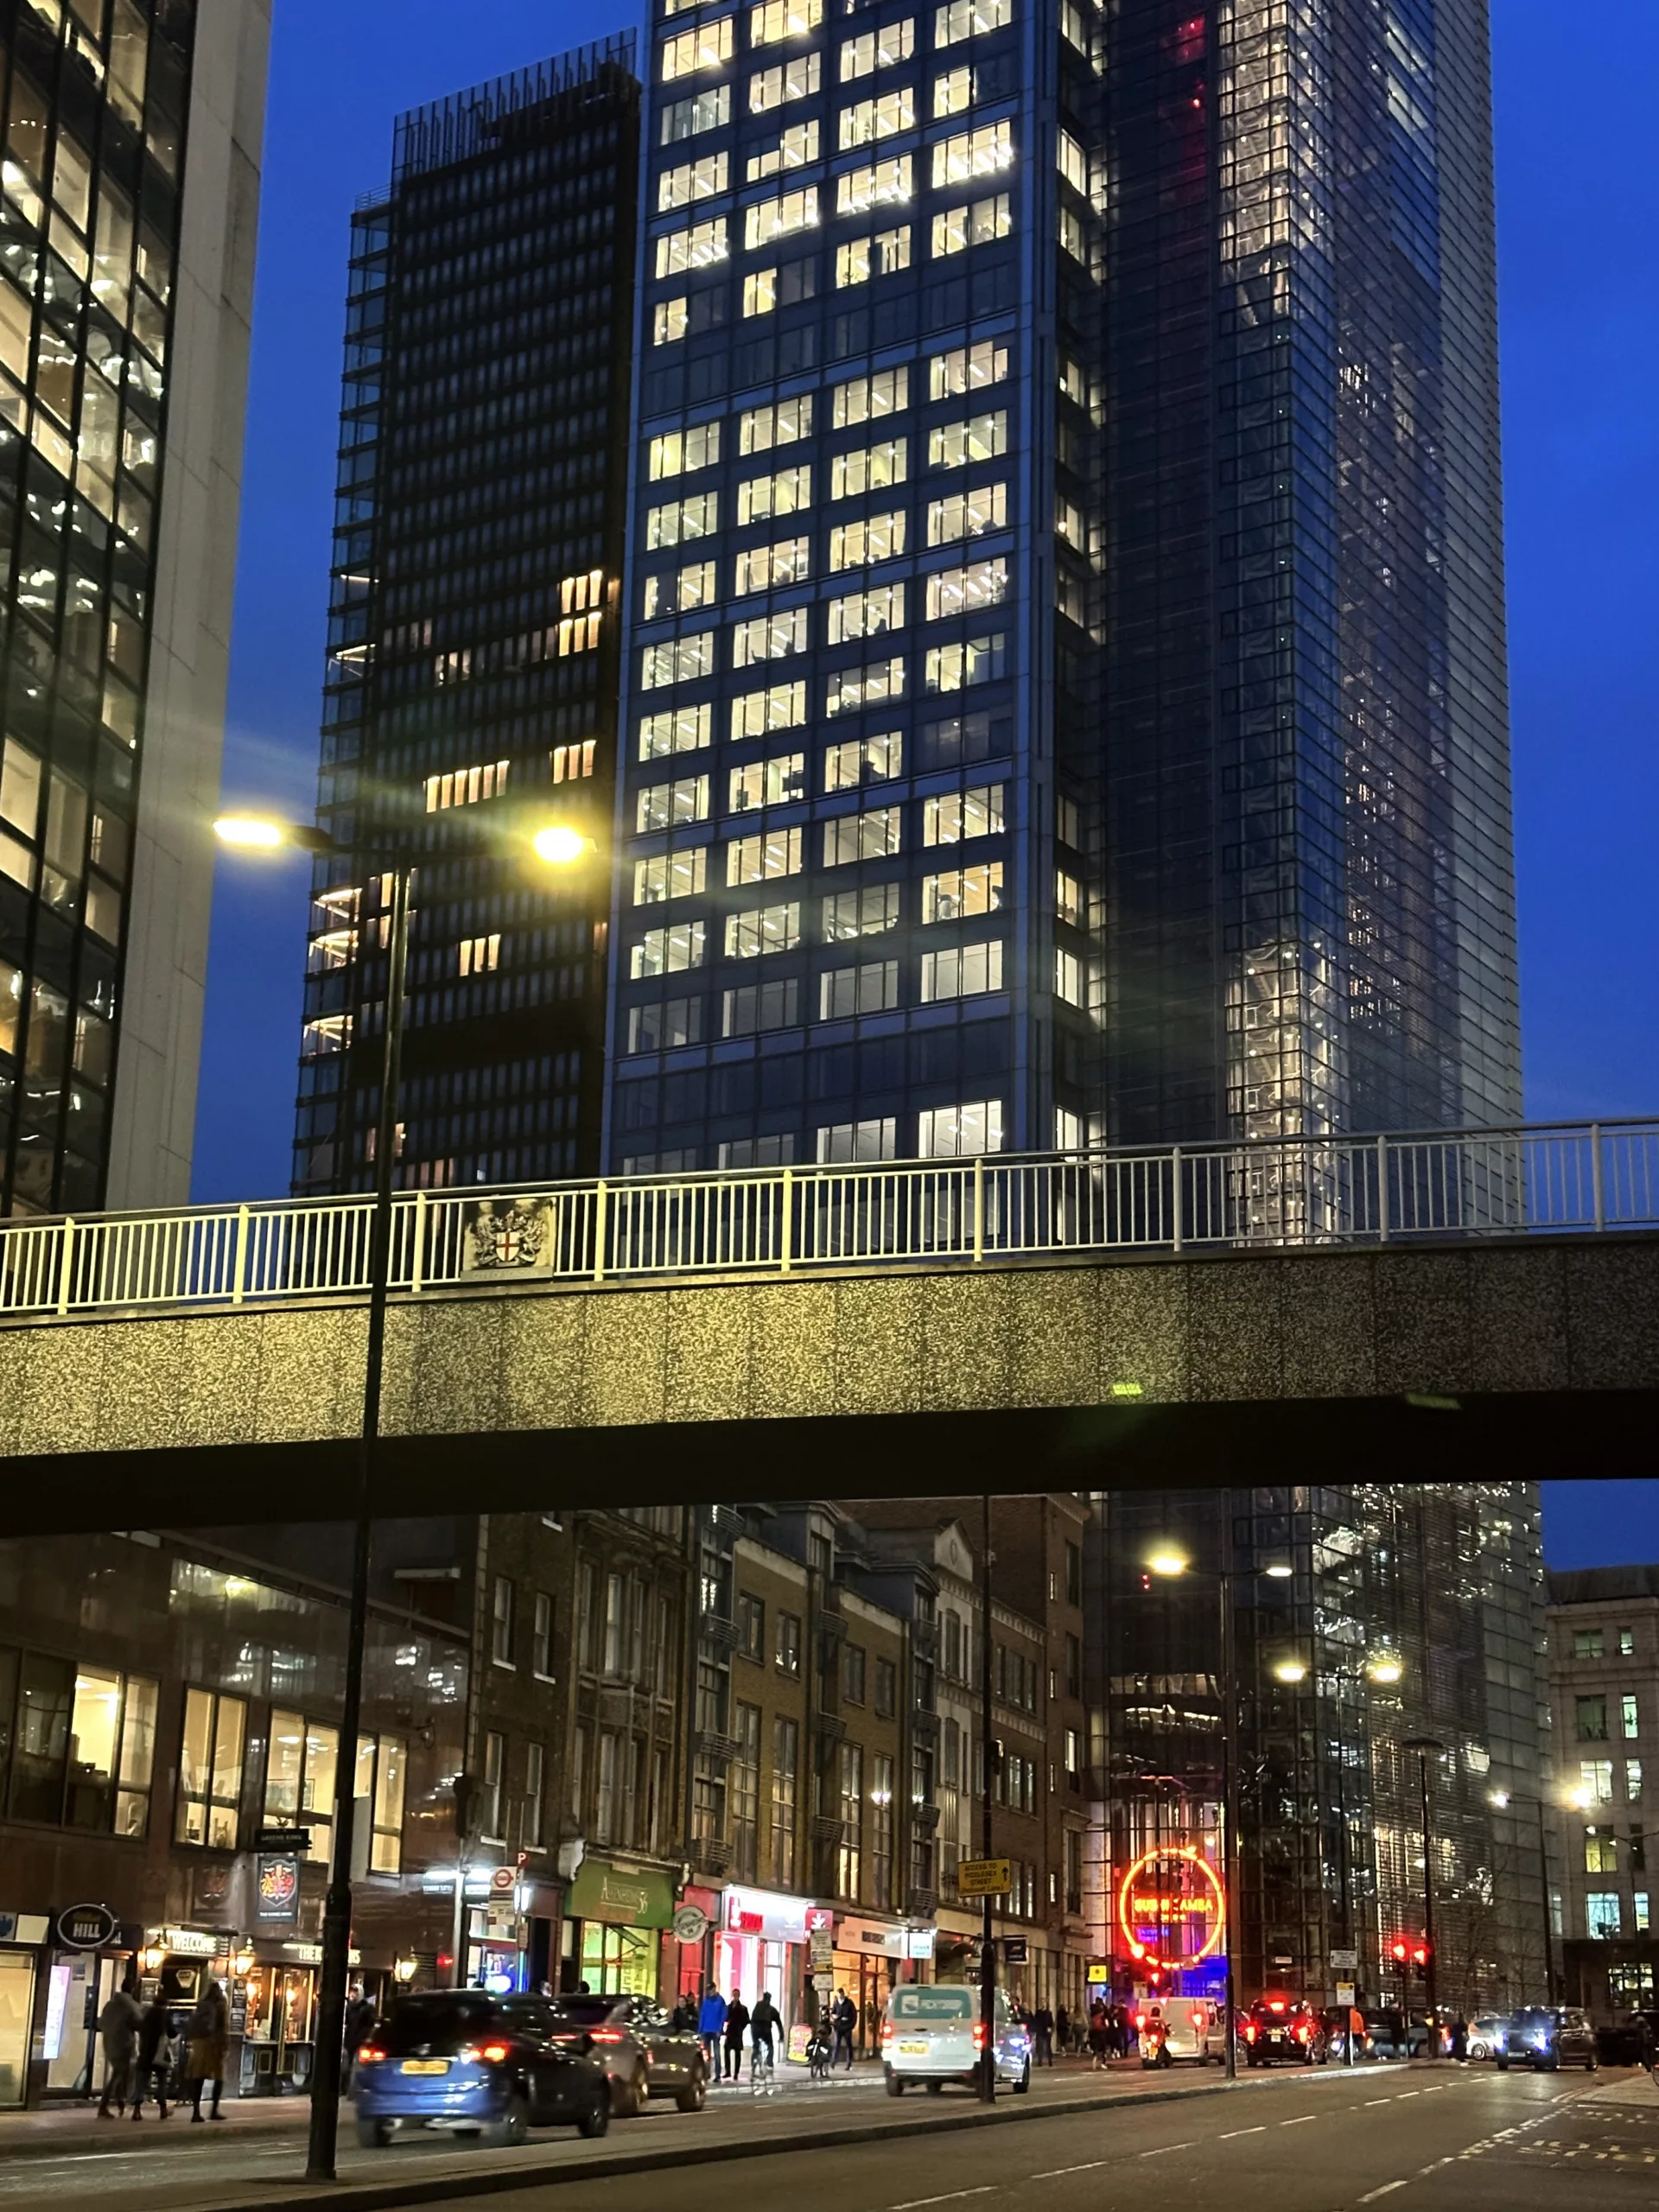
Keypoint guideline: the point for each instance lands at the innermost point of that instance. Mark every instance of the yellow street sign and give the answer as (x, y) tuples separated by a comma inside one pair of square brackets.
[(984, 1877)]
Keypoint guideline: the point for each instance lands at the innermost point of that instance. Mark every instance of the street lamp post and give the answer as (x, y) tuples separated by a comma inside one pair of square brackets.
[(555, 844), (1170, 1564), (1426, 1746), (987, 1941), (1503, 1799)]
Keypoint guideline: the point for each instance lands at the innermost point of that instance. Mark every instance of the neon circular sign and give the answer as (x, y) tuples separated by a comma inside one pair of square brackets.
[(1173, 1905)]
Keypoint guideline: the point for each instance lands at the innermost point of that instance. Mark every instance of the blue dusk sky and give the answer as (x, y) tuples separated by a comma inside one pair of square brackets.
[(1577, 213)]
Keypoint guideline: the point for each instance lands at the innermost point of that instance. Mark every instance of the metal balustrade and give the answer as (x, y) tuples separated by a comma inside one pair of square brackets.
[(1430, 1186)]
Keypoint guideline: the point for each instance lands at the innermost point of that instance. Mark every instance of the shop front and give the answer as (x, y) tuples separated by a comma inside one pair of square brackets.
[(22, 1935), (617, 1918), (871, 1956), (762, 1949), (273, 1997)]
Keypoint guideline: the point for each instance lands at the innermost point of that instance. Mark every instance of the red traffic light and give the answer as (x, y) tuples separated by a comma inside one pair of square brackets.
[(1421, 1953), (1400, 1949)]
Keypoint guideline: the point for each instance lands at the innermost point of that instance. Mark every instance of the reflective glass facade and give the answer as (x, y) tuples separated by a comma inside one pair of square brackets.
[(96, 94), (1070, 435), (472, 633), (1440, 1588), (838, 935)]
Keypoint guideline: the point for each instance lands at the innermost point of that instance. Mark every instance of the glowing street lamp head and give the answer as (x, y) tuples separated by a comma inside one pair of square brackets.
[(1501, 1799), (559, 844), (1385, 1670), (1291, 1670), (1279, 1573), (255, 830), (1168, 1563)]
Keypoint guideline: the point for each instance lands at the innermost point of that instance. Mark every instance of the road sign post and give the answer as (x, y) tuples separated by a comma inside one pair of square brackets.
[(984, 1877)]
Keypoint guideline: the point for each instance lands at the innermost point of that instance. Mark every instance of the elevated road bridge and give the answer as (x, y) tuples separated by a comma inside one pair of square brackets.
[(1444, 1307)]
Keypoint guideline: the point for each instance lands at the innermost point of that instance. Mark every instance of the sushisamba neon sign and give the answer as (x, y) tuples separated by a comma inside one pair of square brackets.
[(1172, 1909)]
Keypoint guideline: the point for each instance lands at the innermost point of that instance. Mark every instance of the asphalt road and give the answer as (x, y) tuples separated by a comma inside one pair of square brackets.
[(1404, 2139), (1423, 2140)]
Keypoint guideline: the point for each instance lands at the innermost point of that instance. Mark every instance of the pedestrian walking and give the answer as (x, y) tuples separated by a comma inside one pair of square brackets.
[(206, 2032), (1042, 2027), (153, 2061), (1062, 2030), (711, 2027), (737, 2021), (1459, 2038), (843, 2018), (361, 2012), (118, 2023), (766, 2026), (1100, 2029)]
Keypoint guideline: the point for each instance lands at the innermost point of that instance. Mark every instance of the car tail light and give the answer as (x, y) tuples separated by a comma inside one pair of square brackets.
[(887, 2033), (369, 2054), (1301, 2030), (1249, 2031), (1197, 2019), (979, 2035), (607, 2035)]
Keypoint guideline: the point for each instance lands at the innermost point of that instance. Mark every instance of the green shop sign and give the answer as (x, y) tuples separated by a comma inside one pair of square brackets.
[(635, 1897)]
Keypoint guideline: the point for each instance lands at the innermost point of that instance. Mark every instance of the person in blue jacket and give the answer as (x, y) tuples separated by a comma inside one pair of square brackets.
[(711, 2027)]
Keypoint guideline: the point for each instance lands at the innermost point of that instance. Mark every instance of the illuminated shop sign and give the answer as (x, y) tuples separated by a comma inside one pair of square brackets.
[(1171, 1907)]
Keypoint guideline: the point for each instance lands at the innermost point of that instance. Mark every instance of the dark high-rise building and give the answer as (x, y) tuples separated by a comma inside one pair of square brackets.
[(472, 631), (130, 173), (1066, 691)]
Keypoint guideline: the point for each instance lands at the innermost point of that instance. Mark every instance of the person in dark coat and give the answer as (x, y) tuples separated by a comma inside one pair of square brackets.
[(843, 2018), (766, 2032), (153, 2064), (1063, 2029), (118, 2023), (737, 2021), (361, 2013), (208, 2031), (1042, 2029)]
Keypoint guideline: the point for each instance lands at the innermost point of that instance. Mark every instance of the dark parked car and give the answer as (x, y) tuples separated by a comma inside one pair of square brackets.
[(1548, 2037), (455, 2059), (644, 2055), (1284, 2027)]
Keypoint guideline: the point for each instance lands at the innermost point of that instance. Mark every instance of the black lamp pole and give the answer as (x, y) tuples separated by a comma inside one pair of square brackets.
[(337, 1910), (1424, 1745), (988, 1942)]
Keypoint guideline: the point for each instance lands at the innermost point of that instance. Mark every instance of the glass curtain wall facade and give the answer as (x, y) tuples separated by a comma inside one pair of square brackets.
[(861, 488), (474, 650), (1305, 805), (95, 96), (1443, 1585)]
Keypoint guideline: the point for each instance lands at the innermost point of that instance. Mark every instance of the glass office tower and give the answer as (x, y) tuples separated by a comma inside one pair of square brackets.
[(473, 648), (1367, 1622), (131, 185), (851, 885), (1065, 698)]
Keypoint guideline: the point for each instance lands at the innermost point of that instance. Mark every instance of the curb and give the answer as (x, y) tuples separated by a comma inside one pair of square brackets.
[(371, 2196)]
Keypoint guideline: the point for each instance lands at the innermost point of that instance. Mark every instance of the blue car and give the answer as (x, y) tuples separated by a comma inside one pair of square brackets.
[(455, 2061)]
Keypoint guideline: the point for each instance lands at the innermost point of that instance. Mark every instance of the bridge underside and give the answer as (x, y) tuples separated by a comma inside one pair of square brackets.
[(1492, 1361), (1524, 1436)]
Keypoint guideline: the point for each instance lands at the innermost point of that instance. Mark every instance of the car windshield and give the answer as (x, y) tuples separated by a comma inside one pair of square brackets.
[(444, 2018)]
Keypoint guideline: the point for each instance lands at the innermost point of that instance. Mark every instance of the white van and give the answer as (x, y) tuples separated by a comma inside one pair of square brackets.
[(1173, 2028), (932, 2035)]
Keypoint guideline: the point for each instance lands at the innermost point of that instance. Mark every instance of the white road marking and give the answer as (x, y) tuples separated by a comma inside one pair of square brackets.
[(1302, 2122), (1162, 2150), (1054, 2172), (1232, 2132), (1386, 2189), (1370, 2101), (915, 2204)]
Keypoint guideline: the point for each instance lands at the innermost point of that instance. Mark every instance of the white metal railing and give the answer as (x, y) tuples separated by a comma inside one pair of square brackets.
[(1432, 1186)]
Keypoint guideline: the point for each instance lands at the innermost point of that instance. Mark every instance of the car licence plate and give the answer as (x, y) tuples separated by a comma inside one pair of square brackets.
[(424, 2066), (914, 2050)]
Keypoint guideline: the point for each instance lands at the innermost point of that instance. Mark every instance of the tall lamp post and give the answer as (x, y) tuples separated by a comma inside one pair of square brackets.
[(1169, 1564), (987, 1825), (1385, 1672), (1425, 1748), (557, 845), (1503, 1799)]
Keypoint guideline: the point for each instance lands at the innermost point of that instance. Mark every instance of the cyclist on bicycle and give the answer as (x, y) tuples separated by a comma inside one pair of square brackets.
[(766, 2026)]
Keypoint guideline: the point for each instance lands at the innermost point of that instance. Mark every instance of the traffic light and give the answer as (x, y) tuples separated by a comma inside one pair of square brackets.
[(1400, 1950), (1411, 1951), (1421, 1954)]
